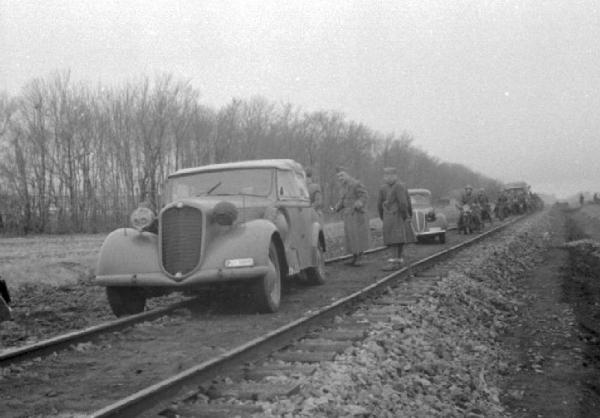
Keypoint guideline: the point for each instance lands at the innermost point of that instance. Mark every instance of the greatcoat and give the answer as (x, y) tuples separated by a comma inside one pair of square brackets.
[(394, 209), (356, 220)]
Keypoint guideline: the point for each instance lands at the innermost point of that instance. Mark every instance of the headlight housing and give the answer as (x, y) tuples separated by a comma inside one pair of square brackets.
[(430, 216), (225, 213), (141, 218)]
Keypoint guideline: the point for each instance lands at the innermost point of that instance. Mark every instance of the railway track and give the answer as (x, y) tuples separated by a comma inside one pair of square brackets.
[(88, 374), (67, 340), (176, 395)]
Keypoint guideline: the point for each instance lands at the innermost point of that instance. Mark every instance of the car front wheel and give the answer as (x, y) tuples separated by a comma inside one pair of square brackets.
[(125, 300), (442, 238), (267, 289)]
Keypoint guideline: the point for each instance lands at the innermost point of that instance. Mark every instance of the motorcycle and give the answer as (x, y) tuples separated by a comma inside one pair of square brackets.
[(466, 220)]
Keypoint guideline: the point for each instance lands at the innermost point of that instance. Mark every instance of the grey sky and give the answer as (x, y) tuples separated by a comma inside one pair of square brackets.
[(509, 88)]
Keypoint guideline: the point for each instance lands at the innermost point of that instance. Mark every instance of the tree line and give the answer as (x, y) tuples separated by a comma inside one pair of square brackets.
[(78, 158)]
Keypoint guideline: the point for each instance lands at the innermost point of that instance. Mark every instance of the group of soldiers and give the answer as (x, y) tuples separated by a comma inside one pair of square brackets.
[(515, 201), (395, 210), (393, 205)]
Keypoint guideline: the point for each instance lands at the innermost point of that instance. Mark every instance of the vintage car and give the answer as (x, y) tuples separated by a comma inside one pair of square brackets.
[(426, 223), (248, 222)]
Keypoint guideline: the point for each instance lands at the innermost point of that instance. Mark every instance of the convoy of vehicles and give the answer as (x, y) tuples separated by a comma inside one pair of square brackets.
[(248, 223)]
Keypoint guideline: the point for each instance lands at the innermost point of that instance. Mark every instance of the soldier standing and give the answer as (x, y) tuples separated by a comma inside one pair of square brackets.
[(353, 205), (314, 192), (395, 210), (467, 198)]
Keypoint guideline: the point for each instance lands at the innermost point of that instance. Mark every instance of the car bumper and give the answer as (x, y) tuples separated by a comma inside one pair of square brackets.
[(431, 231), (160, 279)]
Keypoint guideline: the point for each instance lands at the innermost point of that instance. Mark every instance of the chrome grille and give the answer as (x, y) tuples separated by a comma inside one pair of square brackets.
[(420, 218), (181, 231)]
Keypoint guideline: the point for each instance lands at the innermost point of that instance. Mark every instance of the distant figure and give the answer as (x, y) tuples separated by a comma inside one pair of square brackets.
[(314, 192), (484, 203), (5, 311), (353, 205), (395, 210), (467, 197), (581, 199), (596, 200)]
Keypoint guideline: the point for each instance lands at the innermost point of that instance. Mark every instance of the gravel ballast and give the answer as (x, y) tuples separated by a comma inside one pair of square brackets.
[(442, 356)]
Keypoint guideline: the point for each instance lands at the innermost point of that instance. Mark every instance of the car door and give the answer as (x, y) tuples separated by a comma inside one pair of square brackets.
[(294, 202)]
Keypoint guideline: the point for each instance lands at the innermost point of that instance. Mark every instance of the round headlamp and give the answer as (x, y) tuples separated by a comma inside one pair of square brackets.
[(141, 218), (225, 213), (430, 216)]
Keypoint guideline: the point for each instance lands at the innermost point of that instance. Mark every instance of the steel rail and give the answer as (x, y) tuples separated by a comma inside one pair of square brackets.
[(162, 392), (64, 341)]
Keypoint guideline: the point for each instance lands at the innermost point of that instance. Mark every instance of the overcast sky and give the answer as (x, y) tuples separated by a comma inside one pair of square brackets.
[(509, 88)]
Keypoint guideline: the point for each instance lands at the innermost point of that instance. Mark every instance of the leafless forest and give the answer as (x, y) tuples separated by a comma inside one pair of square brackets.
[(77, 158)]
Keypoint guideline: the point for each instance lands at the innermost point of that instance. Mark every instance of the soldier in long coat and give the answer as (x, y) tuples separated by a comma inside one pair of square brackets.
[(395, 210), (353, 205)]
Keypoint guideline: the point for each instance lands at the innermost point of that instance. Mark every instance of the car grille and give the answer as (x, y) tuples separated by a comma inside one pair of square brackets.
[(420, 221), (181, 231)]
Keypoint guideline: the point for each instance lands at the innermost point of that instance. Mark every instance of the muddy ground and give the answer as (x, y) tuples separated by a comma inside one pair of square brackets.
[(555, 365), (51, 283)]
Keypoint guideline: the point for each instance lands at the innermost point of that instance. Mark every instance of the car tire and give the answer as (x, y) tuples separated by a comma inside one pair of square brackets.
[(442, 237), (267, 289), (316, 275), (125, 300)]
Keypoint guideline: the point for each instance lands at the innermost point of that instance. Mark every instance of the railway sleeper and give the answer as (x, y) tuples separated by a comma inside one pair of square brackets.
[(284, 373)]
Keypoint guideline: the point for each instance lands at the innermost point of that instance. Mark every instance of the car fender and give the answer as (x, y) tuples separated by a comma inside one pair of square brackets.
[(247, 240), (440, 221), (127, 250)]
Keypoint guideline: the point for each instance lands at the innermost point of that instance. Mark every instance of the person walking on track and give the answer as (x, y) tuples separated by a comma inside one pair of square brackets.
[(353, 206), (395, 210)]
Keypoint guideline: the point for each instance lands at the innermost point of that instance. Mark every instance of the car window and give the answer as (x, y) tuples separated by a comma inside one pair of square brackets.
[(288, 187), (251, 181), (420, 200), (301, 180)]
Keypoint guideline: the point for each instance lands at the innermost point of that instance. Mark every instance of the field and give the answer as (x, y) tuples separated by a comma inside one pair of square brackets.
[(50, 259)]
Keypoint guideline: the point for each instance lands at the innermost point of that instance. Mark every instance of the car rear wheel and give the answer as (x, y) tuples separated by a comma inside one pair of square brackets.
[(267, 289), (316, 275), (442, 237), (125, 300)]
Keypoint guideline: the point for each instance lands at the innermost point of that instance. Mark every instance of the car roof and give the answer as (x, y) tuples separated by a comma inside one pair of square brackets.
[(515, 185), (419, 191), (282, 164)]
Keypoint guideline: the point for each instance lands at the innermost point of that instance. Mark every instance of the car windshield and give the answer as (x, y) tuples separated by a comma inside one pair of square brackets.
[(420, 200), (251, 182)]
